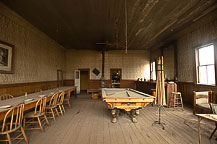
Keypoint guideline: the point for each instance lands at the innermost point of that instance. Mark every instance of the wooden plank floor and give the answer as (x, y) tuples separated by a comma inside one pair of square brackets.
[(89, 122)]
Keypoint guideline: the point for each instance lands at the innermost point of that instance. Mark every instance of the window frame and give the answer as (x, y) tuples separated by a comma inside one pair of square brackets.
[(151, 70), (196, 62)]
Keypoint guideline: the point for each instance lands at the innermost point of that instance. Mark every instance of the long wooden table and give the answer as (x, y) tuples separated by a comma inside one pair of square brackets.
[(34, 96), (209, 117)]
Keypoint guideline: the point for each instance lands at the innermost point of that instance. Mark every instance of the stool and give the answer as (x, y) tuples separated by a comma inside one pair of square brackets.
[(177, 100)]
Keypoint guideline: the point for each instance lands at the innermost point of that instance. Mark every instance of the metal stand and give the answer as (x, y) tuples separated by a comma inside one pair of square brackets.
[(159, 118)]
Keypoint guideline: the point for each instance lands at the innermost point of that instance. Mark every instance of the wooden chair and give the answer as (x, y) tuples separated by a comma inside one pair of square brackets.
[(213, 108), (14, 124), (60, 100), (51, 109), (38, 90), (38, 114), (201, 102), (67, 98), (6, 96)]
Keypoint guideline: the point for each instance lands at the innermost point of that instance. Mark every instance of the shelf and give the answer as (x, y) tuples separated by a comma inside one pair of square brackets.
[(116, 83)]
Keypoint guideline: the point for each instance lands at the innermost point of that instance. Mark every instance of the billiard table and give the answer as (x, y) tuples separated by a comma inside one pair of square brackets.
[(126, 99)]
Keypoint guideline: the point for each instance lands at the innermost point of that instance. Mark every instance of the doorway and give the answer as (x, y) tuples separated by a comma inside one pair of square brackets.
[(84, 79)]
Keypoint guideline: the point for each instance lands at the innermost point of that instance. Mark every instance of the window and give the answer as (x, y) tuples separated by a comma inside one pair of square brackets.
[(205, 64), (153, 70)]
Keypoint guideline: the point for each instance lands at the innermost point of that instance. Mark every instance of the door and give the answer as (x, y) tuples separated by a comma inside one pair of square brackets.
[(59, 78), (77, 80), (84, 76)]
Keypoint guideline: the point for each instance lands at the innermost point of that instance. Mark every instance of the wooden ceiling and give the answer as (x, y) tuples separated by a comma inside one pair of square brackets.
[(79, 24)]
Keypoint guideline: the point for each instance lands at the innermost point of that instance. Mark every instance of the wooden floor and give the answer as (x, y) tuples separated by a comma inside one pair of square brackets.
[(89, 121)]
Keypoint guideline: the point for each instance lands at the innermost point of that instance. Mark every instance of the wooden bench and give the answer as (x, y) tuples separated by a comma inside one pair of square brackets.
[(92, 91)]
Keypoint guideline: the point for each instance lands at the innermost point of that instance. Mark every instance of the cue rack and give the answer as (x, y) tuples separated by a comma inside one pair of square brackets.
[(160, 91)]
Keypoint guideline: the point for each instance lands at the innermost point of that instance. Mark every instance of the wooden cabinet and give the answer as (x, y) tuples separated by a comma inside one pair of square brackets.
[(170, 87), (147, 87)]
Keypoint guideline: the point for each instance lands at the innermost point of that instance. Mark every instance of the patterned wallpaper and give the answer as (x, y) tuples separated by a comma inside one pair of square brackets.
[(134, 65), (169, 61), (186, 46), (37, 57)]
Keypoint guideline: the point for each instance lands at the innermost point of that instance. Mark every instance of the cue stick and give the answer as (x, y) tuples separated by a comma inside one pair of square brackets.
[(128, 94)]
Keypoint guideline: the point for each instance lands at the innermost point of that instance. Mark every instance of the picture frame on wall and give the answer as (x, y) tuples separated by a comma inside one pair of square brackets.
[(6, 57)]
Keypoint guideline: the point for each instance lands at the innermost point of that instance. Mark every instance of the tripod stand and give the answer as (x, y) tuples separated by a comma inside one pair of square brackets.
[(158, 122)]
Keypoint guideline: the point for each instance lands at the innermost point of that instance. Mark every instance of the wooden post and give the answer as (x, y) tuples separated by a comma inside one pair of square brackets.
[(103, 62)]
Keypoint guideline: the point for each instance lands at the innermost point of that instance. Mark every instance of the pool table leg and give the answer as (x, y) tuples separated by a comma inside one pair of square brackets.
[(133, 114), (115, 113), (137, 112)]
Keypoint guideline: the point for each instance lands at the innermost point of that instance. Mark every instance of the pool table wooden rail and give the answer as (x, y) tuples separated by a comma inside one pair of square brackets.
[(127, 103)]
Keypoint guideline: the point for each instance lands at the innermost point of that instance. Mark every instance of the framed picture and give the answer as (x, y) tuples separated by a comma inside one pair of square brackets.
[(6, 57)]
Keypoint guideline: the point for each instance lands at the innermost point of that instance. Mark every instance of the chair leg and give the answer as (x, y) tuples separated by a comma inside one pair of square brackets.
[(53, 114), (69, 104), (24, 135), (45, 117), (39, 122), (24, 124), (57, 111), (213, 132), (9, 138), (181, 102), (63, 108)]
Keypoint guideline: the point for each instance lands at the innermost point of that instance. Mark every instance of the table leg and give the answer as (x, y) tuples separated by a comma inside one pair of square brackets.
[(199, 136), (133, 114), (137, 112), (114, 115), (75, 92)]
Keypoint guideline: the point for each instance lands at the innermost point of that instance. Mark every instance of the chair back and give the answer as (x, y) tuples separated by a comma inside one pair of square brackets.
[(203, 97), (53, 100), (16, 114), (40, 105), (38, 90), (213, 108), (61, 97), (6, 96)]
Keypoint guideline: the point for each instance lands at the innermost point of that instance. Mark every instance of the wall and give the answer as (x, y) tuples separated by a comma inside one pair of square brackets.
[(82, 59), (185, 58), (37, 57), (186, 45), (169, 60), (135, 64)]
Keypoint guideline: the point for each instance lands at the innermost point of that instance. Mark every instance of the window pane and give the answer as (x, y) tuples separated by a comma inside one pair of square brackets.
[(202, 75), (154, 75), (211, 74), (153, 66), (206, 55)]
